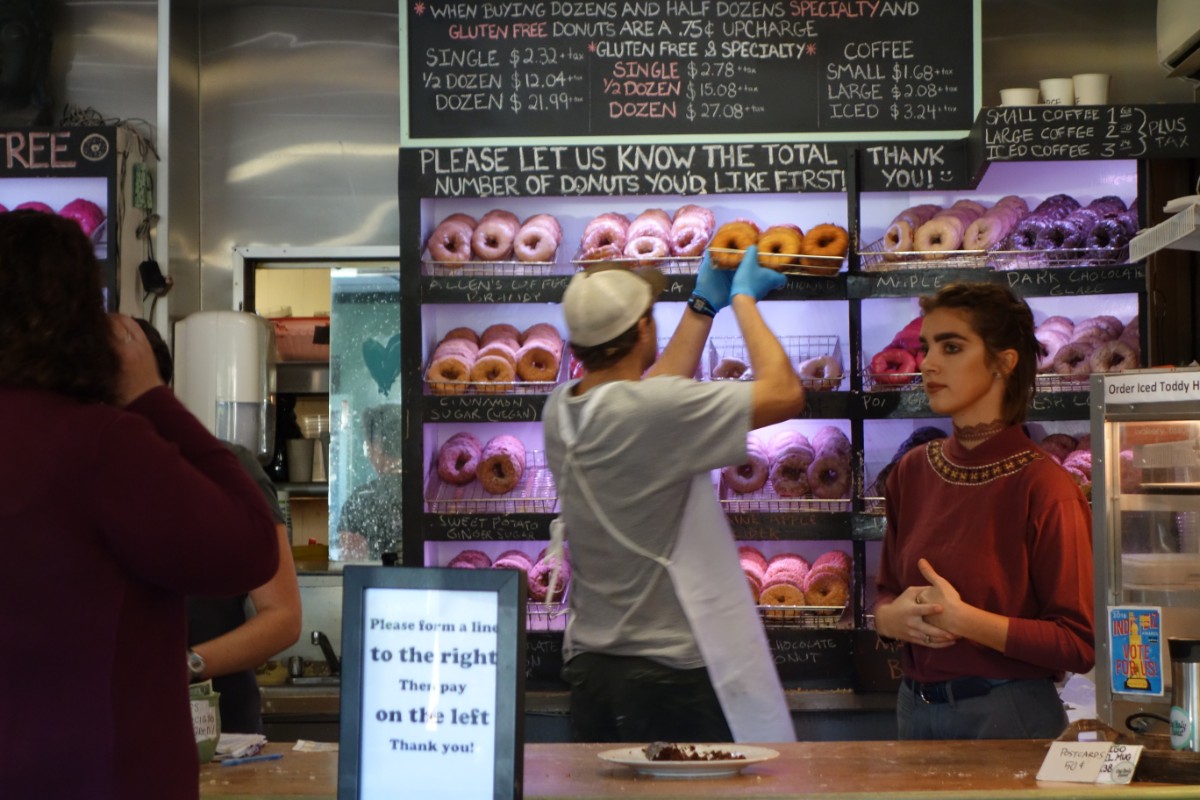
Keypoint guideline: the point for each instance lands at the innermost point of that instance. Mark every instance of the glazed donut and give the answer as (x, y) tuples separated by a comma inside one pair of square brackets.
[(501, 331), (501, 464), (1092, 330), (493, 374), (736, 235), (547, 221), (790, 459), (973, 206), (825, 240), (1114, 356), (646, 248), (829, 476), (450, 242), (1064, 324), (604, 235), (893, 367), (826, 588), (778, 244), (943, 232), (1074, 360), (462, 333), (691, 229), (730, 369), (539, 579), (1051, 342), (898, 238), (537, 361), (653, 222), (752, 475), (449, 374), (458, 458), (471, 559), (823, 373), (752, 555), (536, 241), (1058, 445), (986, 232), (781, 594), (494, 235), (692, 214), (831, 440), (1014, 203), (607, 252)]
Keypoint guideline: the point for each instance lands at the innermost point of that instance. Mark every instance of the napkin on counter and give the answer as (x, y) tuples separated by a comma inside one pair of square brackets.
[(306, 746), (239, 745)]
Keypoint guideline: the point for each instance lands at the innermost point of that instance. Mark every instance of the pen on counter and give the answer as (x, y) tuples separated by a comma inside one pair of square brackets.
[(233, 762)]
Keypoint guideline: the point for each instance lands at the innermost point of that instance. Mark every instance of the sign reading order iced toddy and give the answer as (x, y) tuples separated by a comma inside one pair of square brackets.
[(651, 67)]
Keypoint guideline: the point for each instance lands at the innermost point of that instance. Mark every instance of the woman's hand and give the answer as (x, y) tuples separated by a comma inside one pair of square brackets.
[(907, 618), (138, 370)]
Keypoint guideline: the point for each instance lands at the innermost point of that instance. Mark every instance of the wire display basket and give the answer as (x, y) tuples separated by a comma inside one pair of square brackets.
[(444, 387), (535, 493), (769, 501), (727, 358), (820, 266), (1006, 259), (1050, 383), (801, 617), (874, 258), (668, 265), (889, 381), (506, 268), (546, 616)]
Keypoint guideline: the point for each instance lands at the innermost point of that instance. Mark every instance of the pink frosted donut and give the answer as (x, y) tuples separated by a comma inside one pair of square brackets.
[(34, 205), (539, 579), (750, 476), (501, 348), (462, 333), (547, 221), (513, 559), (837, 559), (823, 373), (987, 231), (86, 214), (450, 241), (471, 559), (1058, 445), (501, 464), (1052, 340), (689, 241), (605, 231), (1080, 460), (692, 214), (786, 568), (646, 248), (829, 476), (459, 458), (494, 235), (652, 222), (538, 362), (535, 242), (501, 331), (752, 555), (543, 331), (457, 347)]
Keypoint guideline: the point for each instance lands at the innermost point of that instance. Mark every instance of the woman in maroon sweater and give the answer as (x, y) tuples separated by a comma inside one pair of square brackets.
[(986, 572), (116, 503)]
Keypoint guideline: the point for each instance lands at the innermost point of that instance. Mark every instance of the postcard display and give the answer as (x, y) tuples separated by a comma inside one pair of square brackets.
[(804, 113)]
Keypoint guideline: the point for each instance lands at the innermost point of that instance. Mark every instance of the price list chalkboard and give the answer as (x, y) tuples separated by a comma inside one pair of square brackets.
[(1057, 133), (661, 67)]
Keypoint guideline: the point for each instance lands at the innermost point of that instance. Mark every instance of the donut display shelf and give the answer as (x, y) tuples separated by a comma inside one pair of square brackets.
[(535, 494), (890, 381), (506, 268), (723, 350), (767, 500), (802, 617), (1005, 259), (820, 266), (673, 265), (873, 258), (1048, 382), (493, 387), (547, 616)]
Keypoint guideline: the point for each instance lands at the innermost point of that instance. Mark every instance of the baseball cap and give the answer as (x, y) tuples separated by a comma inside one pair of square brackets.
[(606, 299)]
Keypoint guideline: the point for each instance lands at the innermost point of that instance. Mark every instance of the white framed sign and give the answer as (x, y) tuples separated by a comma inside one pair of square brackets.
[(432, 684)]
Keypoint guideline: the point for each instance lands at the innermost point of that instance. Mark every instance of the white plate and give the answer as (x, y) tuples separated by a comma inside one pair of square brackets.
[(635, 757)]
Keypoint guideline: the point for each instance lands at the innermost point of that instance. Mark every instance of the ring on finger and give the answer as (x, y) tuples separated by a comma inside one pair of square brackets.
[(918, 600), (928, 638)]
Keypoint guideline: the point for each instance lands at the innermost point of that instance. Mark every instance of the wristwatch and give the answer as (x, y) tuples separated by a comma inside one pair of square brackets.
[(701, 306), (196, 665)]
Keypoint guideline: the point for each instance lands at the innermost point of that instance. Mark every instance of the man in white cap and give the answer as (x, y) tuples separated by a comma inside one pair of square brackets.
[(663, 640)]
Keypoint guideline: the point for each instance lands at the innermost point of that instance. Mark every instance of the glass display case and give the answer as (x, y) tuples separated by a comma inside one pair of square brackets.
[(1145, 430)]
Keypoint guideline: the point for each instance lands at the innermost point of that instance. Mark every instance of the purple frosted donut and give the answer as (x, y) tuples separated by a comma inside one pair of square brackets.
[(1109, 204), (459, 458), (1027, 233), (471, 559), (1056, 206), (539, 579), (501, 464), (1058, 445), (1065, 233), (750, 476)]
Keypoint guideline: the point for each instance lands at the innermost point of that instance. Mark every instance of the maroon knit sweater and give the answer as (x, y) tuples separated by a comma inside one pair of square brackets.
[(1010, 530), (108, 518)]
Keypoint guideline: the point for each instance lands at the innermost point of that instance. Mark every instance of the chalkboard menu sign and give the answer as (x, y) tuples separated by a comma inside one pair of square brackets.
[(1076, 133), (664, 67)]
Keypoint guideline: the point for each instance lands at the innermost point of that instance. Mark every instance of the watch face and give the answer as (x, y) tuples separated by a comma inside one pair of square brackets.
[(195, 662)]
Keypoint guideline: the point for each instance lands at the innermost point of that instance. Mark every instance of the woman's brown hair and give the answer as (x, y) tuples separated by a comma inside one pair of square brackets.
[(1004, 322), (54, 330)]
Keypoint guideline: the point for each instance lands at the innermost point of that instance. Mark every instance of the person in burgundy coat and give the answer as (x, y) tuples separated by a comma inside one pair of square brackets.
[(116, 504)]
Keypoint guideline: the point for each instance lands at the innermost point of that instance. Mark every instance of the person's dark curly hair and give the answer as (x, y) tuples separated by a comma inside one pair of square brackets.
[(54, 331), (1004, 322)]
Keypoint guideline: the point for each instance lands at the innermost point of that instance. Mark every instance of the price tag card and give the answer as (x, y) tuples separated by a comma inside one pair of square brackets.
[(432, 684), (1077, 762), (1120, 763)]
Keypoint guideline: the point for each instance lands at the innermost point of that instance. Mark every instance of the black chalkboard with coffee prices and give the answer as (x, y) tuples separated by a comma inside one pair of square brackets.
[(668, 67)]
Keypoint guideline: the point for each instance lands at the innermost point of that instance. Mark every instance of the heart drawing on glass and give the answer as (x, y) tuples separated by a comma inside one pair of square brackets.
[(383, 361)]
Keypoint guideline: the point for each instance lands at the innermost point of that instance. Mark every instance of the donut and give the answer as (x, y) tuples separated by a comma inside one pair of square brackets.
[(691, 228), (827, 241), (1080, 460), (471, 559), (457, 347), (1084, 442), (500, 348), (755, 584), (832, 440), (462, 333), (513, 559), (789, 466), (1074, 360), (539, 579), (909, 337), (536, 241), (450, 242), (943, 232), (893, 367), (786, 568), (501, 464), (778, 245), (1092, 330), (653, 222), (781, 594), (729, 369), (1114, 356), (837, 559), (823, 373), (493, 374), (500, 331), (898, 237), (1062, 323), (1027, 233), (1056, 206), (1015, 203), (974, 206), (1111, 325), (547, 221), (604, 234), (494, 235), (646, 248), (752, 475), (826, 588), (752, 555), (1108, 204), (829, 476), (606, 252), (1058, 445), (538, 361), (1051, 342), (986, 232), (541, 330), (449, 374), (458, 459), (736, 235)]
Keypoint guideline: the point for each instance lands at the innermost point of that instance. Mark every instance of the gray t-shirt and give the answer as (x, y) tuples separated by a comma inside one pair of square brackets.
[(641, 448)]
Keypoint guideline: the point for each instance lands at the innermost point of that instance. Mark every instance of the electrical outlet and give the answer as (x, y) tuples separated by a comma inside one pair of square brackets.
[(143, 189)]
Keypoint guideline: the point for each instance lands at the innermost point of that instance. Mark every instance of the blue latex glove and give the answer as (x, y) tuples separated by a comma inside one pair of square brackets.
[(712, 287), (755, 280)]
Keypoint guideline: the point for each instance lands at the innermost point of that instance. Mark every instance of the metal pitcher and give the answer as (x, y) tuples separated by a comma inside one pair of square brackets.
[(1185, 693)]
